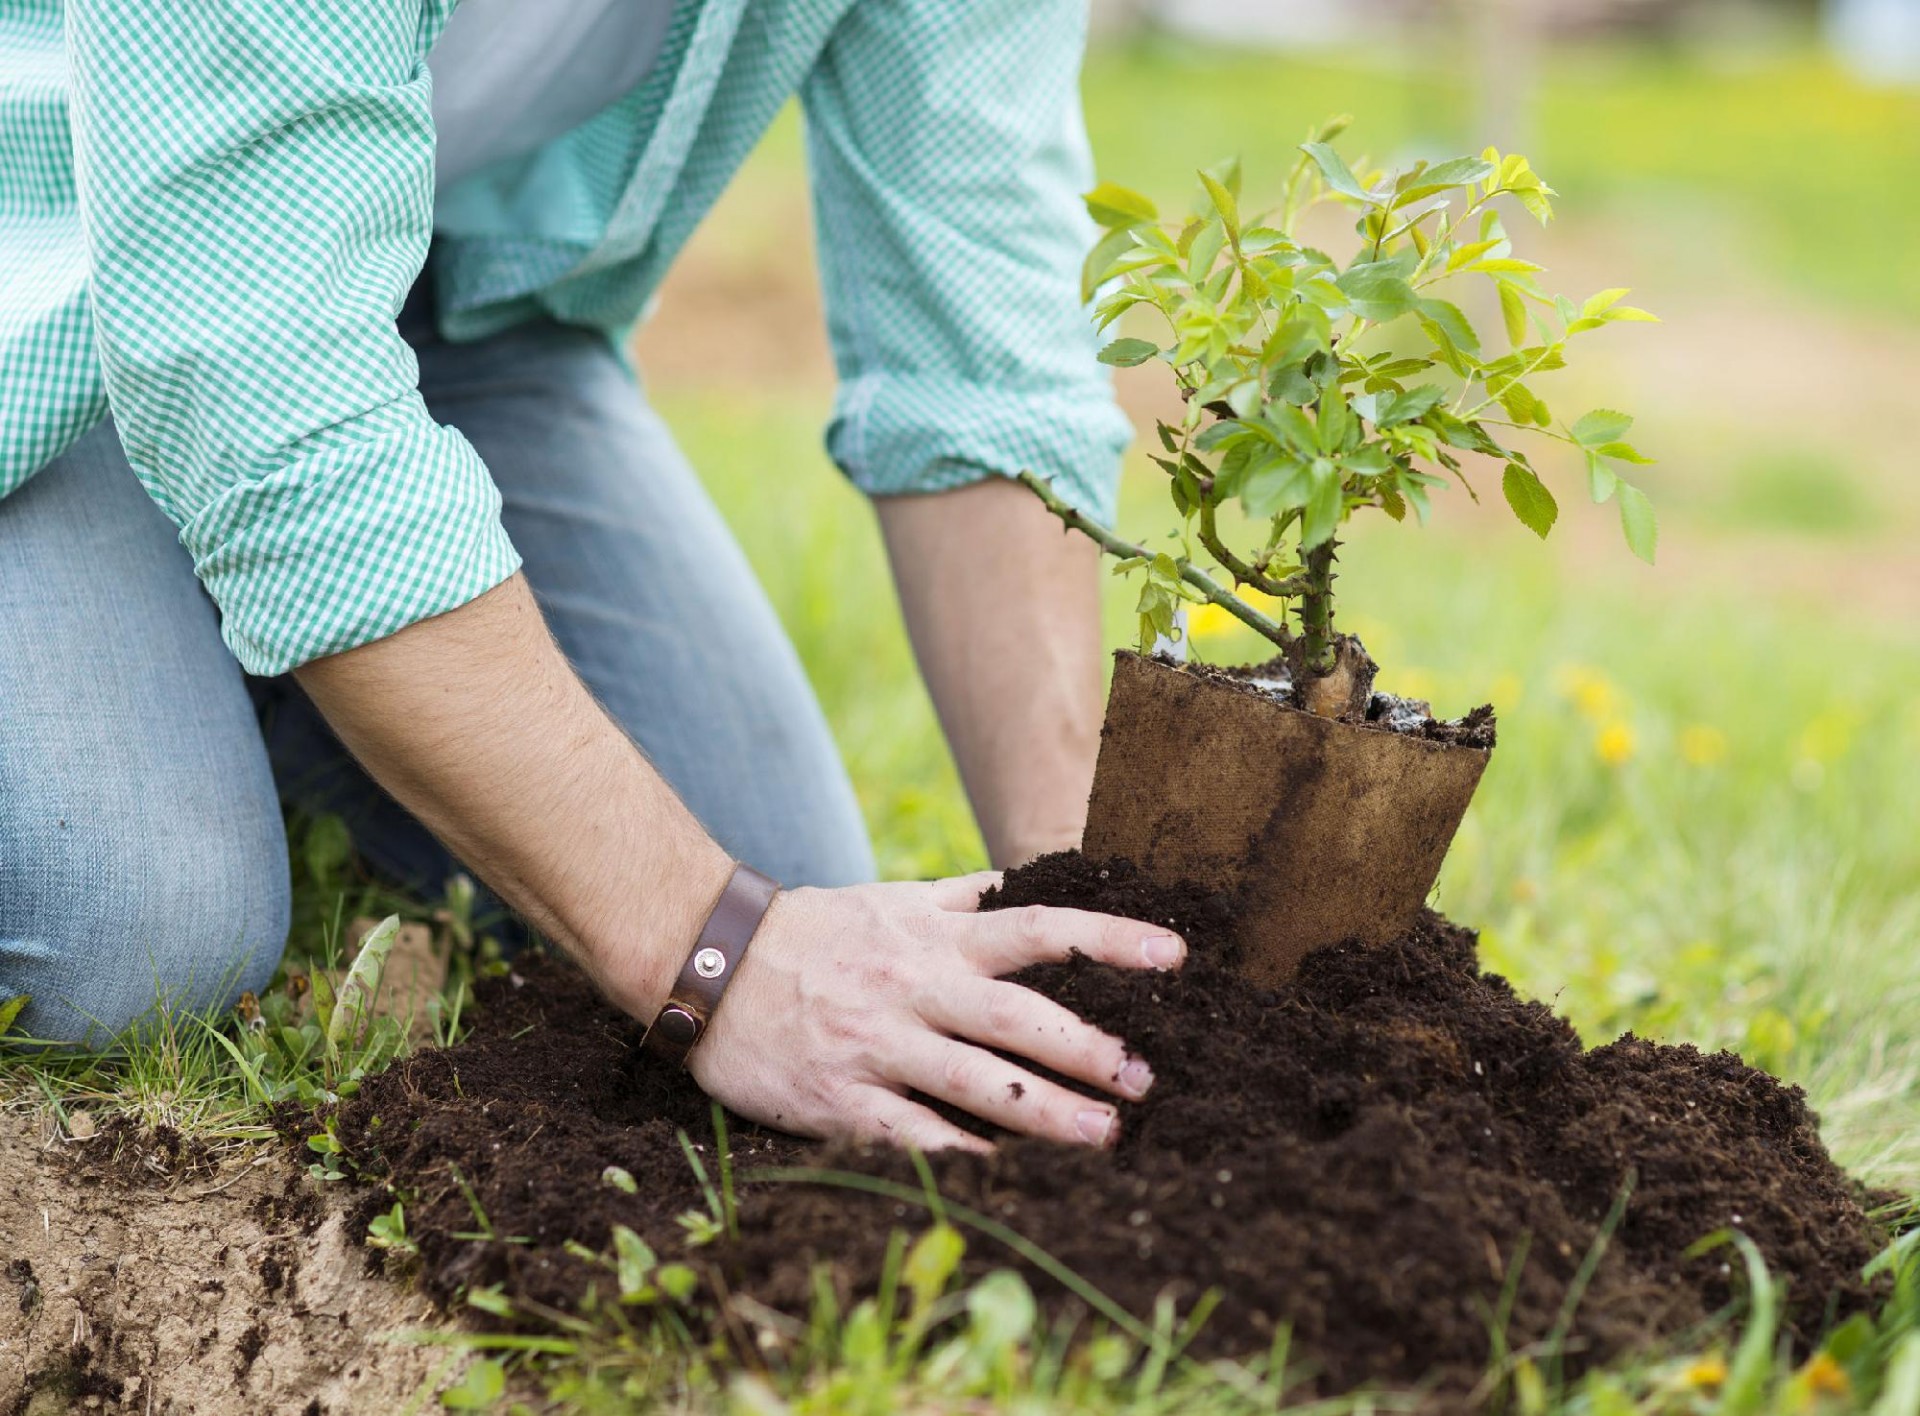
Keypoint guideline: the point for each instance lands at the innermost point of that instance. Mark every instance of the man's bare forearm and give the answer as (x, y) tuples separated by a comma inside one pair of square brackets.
[(852, 1001), (1004, 612), (476, 723)]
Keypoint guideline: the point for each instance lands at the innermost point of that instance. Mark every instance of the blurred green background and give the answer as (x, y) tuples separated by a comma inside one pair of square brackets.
[(1701, 823)]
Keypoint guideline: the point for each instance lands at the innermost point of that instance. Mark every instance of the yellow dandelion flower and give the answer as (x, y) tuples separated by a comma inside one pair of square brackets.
[(1827, 738), (1708, 1371), (1703, 745), (1615, 744), (1589, 690), (1210, 621), (1825, 1377)]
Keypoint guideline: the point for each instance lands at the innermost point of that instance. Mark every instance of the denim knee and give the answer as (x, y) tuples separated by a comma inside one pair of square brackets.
[(121, 930)]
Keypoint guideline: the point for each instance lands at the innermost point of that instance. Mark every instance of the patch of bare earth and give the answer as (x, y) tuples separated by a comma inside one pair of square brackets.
[(140, 1274)]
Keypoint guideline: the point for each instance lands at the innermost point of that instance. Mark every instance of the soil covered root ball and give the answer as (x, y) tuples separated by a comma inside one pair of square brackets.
[(1369, 1153), (1321, 831)]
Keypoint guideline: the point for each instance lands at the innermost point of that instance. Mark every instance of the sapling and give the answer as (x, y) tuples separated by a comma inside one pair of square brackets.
[(1315, 389)]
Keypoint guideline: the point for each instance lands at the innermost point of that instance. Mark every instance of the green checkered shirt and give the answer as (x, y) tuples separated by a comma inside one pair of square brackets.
[(210, 213)]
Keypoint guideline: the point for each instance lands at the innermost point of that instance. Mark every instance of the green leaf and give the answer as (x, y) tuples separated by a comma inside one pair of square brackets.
[(1113, 205), (322, 1001), (354, 1003), (1603, 425), (1522, 406), (1413, 403), (1602, 480), (1125, 353), (1900, 1389), (620, 1179), (1336, 424), (1205, 250), (1450, 318), (1334, 169), (931, 1264), (1604, 301), (1224, 203), (1297, 339), (1325, 503), (677, 1281), (490, 1299), (10, 1010), (1456, 172), (1473, 251), (484, 1383), (1376, 294), (633, 1262), (1530, 499), (1368, 461), (1000, 1312), (1276, 485), (1624, 452), (1513, 310), (1637, 520), (1098, 268)]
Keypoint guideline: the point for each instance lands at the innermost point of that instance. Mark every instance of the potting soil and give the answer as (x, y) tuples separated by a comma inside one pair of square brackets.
[(1371, 1154)]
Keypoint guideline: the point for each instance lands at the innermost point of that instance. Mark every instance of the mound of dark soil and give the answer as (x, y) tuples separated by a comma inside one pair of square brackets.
[(1368, 1154)]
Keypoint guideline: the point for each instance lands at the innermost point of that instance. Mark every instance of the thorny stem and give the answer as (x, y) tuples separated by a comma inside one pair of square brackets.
[(1316, 610), (1243, 572), (1210, 590)]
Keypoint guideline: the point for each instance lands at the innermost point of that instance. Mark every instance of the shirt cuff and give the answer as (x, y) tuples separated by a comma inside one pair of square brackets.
[(894, 434), (367, 527)]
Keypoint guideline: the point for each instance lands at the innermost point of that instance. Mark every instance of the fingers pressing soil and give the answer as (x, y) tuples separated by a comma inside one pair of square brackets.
[(1370, 1154)]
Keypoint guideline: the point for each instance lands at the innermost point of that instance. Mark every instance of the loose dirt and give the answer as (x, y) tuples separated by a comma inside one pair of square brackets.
[(141, 1273), (1370, 1154)]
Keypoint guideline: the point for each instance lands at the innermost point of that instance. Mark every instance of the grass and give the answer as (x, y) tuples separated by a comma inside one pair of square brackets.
[(1701, 822)]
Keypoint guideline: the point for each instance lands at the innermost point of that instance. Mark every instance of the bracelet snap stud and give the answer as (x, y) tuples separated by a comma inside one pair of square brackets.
[(708, 970)]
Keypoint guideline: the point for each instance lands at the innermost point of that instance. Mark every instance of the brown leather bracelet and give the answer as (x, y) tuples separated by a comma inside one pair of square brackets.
[(709, 968)]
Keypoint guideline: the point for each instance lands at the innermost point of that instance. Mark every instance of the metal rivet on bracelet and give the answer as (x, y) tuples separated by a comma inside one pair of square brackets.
[(678, 1026), (709, 963)]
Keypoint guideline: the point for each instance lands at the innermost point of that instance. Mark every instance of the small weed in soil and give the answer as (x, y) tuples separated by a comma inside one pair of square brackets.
[(1371, 1153)]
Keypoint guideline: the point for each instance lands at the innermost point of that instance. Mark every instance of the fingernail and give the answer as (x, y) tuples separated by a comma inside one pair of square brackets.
[(1094, 1126), (1135, 1077), (1162, 951)]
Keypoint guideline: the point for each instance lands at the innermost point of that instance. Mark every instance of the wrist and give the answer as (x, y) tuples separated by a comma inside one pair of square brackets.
[(638, 945)]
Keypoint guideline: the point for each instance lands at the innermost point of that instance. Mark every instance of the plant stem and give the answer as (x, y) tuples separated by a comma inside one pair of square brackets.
[(1210, 590), (1242, 572), (1316, 610)]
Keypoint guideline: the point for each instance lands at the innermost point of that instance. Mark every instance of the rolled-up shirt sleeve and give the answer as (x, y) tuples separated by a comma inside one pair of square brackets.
[(948, 154), (256, 188)]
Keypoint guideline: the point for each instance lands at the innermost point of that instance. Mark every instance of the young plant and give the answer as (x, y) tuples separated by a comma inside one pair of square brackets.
[(388, 1230), (1316, 389)]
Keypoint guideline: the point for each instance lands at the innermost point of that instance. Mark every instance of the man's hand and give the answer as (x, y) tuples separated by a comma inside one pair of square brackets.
[(852, 997), (475, 722), (1004, 611)]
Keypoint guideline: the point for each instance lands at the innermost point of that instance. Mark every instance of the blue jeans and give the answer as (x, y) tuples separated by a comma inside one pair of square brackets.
[(142, 773)]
